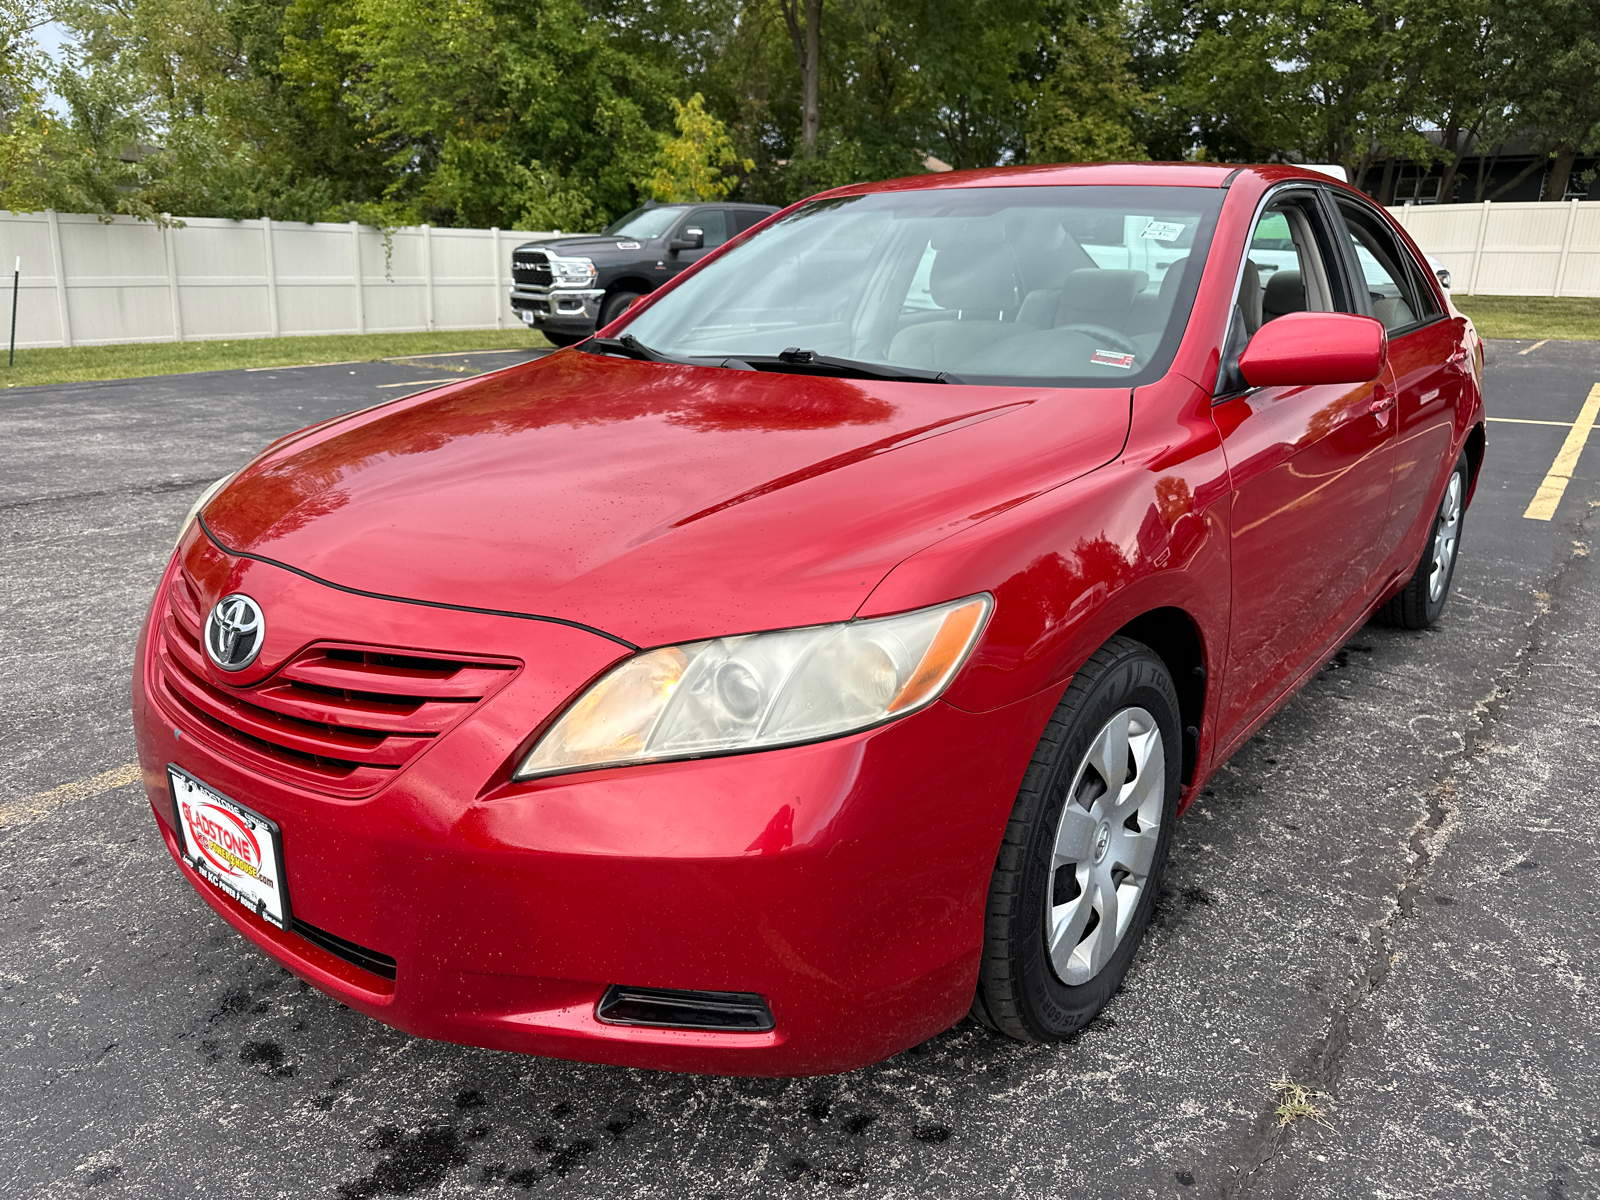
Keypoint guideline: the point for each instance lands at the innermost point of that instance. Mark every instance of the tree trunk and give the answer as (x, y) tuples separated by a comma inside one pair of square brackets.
[(1555, 185), (807, 38), (1536, 165), (1386, 183)]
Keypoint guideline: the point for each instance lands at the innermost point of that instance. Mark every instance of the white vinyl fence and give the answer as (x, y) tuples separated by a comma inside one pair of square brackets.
[(89, 283), (1536, 248)]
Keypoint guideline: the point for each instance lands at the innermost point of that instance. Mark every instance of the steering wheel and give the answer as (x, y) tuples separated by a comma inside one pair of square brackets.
[(1119, 341)]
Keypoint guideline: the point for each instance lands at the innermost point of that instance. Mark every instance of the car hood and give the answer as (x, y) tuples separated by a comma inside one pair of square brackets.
[(589, 244), (653, 501)]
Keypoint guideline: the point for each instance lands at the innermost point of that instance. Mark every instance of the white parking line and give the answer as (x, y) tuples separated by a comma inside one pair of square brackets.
[(1545, 500), (1526, 421)]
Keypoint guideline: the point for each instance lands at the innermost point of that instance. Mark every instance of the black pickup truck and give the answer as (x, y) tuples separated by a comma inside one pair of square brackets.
[(569, 287)]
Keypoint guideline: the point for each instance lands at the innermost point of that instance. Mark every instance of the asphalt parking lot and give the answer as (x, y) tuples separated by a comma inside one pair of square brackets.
[(1389, 897)]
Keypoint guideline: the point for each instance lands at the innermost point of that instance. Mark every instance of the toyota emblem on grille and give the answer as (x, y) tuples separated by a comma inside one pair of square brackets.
[(234, 632)]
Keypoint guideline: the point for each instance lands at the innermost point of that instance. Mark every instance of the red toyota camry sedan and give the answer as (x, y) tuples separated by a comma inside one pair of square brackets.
[(826, 649)]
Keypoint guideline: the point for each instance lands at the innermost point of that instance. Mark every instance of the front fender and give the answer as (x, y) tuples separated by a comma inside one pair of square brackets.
[(1071, 567)]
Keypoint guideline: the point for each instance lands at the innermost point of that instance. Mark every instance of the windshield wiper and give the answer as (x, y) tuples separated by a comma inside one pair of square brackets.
[(810, 362), (631, 347)]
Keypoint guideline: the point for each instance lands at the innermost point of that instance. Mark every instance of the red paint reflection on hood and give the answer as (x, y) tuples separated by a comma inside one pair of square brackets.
[(655, 501)]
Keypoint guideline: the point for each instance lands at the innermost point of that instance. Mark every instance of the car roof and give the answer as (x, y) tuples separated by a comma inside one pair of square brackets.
[(1168, 174)]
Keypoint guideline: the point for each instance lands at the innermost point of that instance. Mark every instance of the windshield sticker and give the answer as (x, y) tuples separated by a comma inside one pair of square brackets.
[(1163, 231), (1112, 358)]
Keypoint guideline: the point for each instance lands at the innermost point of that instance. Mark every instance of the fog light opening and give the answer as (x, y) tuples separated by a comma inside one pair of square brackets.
[(726, 1012)]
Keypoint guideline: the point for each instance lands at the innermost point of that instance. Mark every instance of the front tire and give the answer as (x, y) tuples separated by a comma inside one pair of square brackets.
[(562, 340), (1081, 861), (615, 305), (1419, 604)]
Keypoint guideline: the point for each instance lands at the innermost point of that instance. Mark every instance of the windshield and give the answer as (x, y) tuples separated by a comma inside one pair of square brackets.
[(645, 222), (991, 285)]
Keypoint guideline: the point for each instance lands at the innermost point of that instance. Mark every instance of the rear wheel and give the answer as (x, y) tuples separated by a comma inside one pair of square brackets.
[(1081, 861), (1419, 603)]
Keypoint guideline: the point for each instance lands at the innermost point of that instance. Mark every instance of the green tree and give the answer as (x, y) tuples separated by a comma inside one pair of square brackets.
[(1088, 99), (692, 165)]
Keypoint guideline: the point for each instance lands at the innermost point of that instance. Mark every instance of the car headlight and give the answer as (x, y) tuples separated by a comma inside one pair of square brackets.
[(205, 499), (580, 271), (761, 690), (1444, 277)]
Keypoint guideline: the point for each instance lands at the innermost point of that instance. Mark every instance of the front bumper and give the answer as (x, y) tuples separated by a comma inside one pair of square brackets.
[(844, 881), (564, 310)]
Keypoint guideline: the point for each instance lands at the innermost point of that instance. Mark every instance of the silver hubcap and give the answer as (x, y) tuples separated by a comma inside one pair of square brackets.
[(1444, 542), (1105, 845)]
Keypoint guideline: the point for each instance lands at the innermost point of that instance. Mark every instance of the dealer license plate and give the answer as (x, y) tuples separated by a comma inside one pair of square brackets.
[(239, 851)]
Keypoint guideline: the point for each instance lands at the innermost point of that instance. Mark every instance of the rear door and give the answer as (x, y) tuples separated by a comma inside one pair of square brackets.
[(1310, 468), (1426, 380)]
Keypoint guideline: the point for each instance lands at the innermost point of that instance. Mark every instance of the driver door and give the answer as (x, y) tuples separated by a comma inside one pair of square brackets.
[(713, 226), (1310, 469)]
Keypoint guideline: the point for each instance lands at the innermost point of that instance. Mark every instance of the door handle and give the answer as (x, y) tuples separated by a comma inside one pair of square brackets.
[(1382, 401)]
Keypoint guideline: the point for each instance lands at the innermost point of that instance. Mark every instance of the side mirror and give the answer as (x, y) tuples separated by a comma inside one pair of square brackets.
[(1315, 347), (694, 238)]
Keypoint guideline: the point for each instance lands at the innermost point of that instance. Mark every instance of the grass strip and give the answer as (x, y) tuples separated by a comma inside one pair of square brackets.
[(1563, 318), (135, 360)]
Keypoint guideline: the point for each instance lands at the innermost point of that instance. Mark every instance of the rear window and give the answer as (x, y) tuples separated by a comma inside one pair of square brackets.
[(1018, 285)]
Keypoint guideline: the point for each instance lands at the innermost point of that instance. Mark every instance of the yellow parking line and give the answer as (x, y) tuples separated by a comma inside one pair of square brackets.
[(1533, 347), (1543, 507), (1527, 421), (415, 383), (79, 789)]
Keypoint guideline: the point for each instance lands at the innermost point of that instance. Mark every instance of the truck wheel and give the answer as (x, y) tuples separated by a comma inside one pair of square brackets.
[(1081, 861), (616, 304), (563, 339)]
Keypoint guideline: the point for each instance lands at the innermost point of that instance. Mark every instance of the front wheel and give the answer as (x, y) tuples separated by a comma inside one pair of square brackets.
[(615, 305), (1081, 861), (560, 340), (1419, 603)]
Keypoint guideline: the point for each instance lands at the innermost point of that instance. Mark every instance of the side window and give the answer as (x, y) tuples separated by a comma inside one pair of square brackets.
[(745, 218), (713, 221), (1391, 289), (1286, 269)]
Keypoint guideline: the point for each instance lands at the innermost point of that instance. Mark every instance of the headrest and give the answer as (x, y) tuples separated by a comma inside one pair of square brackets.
[(1096, 290), (1092, 290), (1286, 293), (973, 277)]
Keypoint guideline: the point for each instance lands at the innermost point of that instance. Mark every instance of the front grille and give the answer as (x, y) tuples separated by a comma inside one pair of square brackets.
[(358, 956), (531, 266), (337, 718)]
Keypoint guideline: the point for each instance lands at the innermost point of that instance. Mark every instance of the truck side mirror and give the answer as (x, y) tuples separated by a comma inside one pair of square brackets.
[(693, 238)]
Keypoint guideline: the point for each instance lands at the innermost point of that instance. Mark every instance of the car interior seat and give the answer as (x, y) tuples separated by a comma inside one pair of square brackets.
[(975, 283)]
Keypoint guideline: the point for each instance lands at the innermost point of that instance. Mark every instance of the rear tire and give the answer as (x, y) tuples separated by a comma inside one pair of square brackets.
[(1419, 604), (1081, 861)]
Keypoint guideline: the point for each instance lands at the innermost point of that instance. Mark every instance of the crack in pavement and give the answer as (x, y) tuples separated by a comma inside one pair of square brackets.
[(1320, 1067), (132, 489)]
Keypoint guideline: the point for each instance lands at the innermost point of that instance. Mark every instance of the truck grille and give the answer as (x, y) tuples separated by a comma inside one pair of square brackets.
[(531, 266), (337, 718)]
